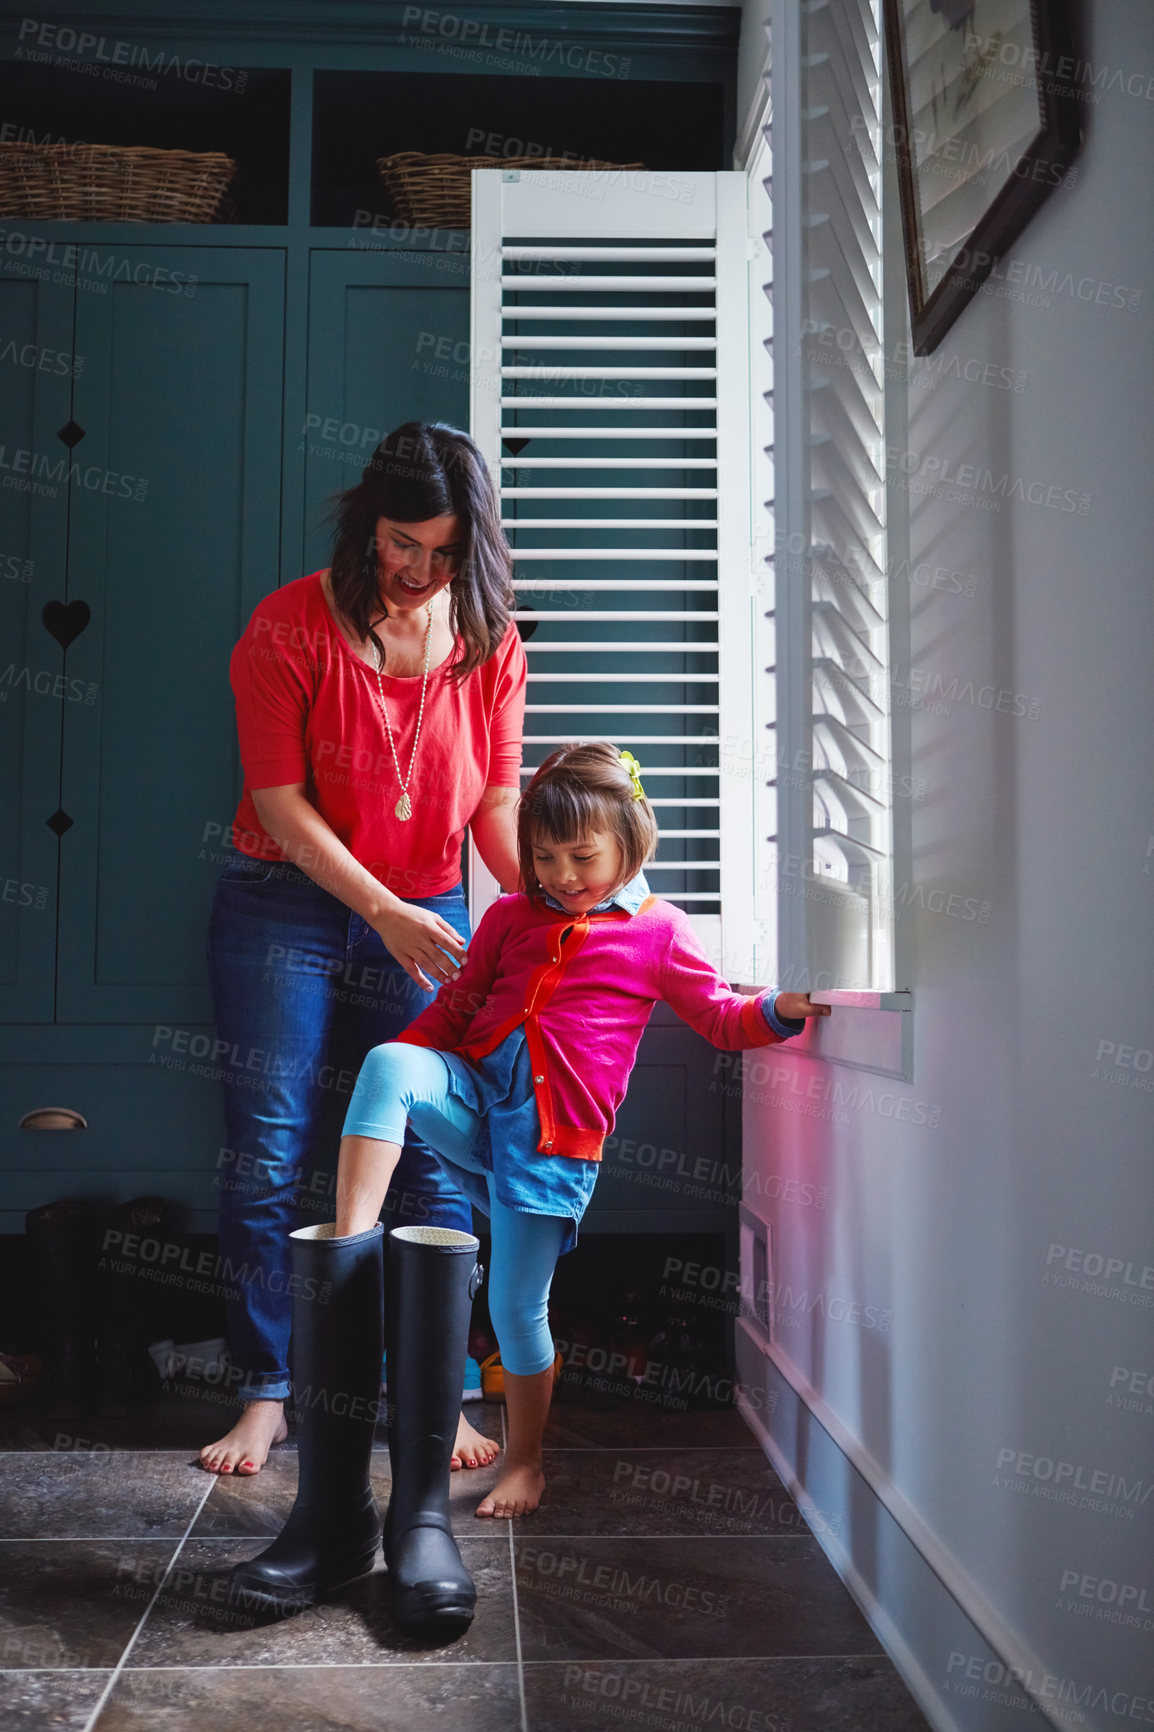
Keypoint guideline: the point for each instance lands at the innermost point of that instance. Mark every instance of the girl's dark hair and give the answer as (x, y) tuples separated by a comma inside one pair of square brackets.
[(427, 469), (583, 788)]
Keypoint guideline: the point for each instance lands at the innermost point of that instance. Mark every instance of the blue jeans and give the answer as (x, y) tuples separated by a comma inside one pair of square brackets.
[(302, 989)]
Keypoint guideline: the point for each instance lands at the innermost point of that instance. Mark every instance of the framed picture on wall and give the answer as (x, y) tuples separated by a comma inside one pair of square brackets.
[(987, 98)]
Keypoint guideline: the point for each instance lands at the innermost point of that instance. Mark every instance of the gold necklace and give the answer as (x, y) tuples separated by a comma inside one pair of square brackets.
[(404, 806)]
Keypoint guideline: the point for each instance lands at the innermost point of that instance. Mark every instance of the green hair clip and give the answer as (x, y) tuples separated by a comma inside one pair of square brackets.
[(634, 769)]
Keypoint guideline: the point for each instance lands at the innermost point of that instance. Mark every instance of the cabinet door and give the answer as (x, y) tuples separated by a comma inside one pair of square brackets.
[(175, 537), (36, 367), (388, 343)]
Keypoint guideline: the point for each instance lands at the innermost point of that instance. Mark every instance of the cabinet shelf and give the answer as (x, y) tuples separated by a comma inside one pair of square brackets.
[(360, 116), (247, 118)]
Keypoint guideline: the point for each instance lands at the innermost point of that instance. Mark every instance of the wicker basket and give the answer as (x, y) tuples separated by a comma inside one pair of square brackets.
[(433, 191), (107, 183)]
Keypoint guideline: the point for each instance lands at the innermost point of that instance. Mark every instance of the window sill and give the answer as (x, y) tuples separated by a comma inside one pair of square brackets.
[(844, 1000), (881, 1045)]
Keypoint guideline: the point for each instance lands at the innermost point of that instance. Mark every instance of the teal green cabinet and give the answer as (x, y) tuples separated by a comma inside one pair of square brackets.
[(36, 369), (153, 531), (179, 407), (175, 524), (388, 343)]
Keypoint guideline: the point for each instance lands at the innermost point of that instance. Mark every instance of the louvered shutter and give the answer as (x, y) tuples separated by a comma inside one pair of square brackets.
[(610, 398), (833, 786)]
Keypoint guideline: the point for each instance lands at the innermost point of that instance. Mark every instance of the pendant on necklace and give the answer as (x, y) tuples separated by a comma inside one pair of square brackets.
[(403, 809)]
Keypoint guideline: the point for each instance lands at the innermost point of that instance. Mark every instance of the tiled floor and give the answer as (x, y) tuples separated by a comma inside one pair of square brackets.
[(667, 1582)]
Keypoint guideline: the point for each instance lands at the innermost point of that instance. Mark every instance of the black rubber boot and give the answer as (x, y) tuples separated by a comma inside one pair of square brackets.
[(333, 1529), (433, 1275), (125, 1296), (63, 1240)]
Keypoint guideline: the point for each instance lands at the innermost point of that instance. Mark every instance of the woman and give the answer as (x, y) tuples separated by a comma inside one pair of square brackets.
[(379, 708)]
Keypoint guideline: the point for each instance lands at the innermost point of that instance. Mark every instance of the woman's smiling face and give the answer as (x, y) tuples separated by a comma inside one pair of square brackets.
[(579, 874), (416, 561)]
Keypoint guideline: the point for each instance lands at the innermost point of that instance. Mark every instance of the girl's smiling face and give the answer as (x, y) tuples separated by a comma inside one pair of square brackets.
[(581, 873)]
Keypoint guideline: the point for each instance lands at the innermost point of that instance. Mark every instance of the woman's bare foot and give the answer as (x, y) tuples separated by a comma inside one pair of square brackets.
[(471, 1449), (245, 1448), (516, 1493)]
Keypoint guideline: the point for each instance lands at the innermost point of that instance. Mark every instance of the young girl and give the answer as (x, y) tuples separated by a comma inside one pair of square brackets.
[(513, 1075)]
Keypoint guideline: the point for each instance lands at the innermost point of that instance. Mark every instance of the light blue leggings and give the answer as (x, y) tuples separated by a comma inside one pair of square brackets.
[(400, 1083)]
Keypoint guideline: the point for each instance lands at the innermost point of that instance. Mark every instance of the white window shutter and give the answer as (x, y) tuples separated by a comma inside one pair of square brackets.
[(834, 786), (766, 566), (610, 398)]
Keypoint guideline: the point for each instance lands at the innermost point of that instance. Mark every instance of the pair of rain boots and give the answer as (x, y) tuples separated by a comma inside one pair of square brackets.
[(333, 1531)]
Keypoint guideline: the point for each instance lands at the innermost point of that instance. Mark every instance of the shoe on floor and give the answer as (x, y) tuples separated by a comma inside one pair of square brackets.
[(493, 1376)]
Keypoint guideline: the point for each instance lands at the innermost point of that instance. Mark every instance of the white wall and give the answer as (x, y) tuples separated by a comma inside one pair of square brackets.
[(982, 1355)]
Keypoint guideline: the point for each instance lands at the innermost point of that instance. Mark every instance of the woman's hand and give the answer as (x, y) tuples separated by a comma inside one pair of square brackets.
[(419, 939), (793, 1006)]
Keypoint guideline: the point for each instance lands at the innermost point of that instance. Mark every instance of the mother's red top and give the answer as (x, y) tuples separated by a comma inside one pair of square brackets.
[(308, 711)]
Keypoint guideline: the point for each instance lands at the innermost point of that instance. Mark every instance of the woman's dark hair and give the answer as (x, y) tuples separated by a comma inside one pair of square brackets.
[(427, 469), (582, 789)]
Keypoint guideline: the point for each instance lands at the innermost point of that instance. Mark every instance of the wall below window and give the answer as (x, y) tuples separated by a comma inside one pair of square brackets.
[(963, 1280)]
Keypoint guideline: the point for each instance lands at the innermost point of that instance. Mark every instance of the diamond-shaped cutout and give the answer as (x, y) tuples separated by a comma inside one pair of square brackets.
[(59, 822), (71, 433), (516, 446)]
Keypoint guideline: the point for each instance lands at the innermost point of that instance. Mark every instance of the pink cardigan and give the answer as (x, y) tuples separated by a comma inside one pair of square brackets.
[(584, 987)]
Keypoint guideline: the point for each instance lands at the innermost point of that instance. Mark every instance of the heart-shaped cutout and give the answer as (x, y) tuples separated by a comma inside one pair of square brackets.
[(66, 620)]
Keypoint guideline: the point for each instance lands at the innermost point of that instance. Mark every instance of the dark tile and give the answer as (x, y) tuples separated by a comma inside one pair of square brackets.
[(364, 1698), (670, 1695), (49, 1701), (74, 1602), (592, 1599), (643, 1426), (256, 1503), (259, 1503), (662, 1491), (191, 1623), (97, 1495)]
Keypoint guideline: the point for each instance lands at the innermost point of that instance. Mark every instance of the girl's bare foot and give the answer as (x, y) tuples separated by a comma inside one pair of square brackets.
[(245, 1448), (516, 1493), (471, 1449)]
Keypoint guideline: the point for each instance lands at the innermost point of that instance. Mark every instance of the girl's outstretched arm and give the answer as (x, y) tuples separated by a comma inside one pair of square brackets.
[(692, 987), (796, 1007)]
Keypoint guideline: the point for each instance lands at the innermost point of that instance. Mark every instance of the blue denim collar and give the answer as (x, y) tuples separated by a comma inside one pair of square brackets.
[(629, 898)]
